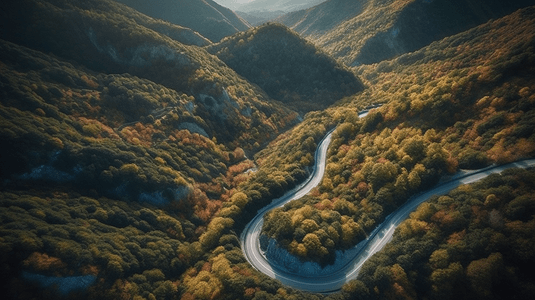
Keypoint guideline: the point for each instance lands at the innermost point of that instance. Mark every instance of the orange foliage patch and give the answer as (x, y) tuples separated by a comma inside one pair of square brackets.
[(207, 267), (245, 272), (204, 208), (456, 237), (249, 293), (90, 270), (41, 262), (90, 82), (185, 137), (187, 296), (362, 188)]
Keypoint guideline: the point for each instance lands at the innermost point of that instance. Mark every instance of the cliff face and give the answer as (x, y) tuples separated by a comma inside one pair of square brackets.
[(281, 259)]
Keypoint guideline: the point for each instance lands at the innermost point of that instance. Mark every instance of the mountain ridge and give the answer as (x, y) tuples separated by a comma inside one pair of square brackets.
[(98, 40), (207, 17), (381, 30), (287, 67)]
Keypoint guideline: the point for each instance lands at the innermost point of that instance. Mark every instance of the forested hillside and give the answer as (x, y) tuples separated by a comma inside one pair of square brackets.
[(204, 16), (107, 177), (322, 18), (365, 32), (474, 243), (256, 18), (132, 158), (99, 35), (287, 67), (446, 108)]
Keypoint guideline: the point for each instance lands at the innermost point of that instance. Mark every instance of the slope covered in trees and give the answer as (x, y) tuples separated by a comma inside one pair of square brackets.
[(287, 67), (121, 189), (98, 180), (322, 18), (474, 243), (108, 177), (447, 108), (207, 17), (365, 32), (101, 35), (124, 175)]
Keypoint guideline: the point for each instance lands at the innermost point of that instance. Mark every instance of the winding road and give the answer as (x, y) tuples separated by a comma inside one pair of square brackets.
[(376, 241)]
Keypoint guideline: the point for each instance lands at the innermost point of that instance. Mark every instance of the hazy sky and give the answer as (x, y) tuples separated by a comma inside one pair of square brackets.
[(267, 5)]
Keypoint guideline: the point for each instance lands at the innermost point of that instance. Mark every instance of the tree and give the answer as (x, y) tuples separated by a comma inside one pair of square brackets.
[(309, 225), (314, 247), (415, 148), (239, 199), (436, 157), (381, 174), (439, 259), (402, 287), (351, 233), (216, 227), (203, 286), (484, 273), (446, 282)]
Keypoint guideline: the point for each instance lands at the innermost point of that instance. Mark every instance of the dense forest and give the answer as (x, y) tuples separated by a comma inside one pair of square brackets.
[(287, 67), (132, 158), (473, 113), (110, 38), (474, 243), (370, 31)]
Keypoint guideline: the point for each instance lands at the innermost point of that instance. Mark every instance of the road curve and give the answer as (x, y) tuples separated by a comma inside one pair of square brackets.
[(376, 241)]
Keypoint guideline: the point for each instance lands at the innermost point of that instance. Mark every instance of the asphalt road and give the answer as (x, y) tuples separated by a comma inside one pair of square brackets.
[(375, 242)]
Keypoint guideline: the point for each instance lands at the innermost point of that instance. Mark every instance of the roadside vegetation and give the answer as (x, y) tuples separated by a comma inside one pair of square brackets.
[(473, 243), (446, 109)]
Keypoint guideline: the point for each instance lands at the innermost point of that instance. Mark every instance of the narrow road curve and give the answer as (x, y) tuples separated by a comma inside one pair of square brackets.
[(376, 241)]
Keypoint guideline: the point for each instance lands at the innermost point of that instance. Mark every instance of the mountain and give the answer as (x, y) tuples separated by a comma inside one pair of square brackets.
[(364, 32), (94, 100), (287, 67), (121, 139), (322, 18), (232, 4), (463, 102), (104, 37), (132, 157), (260, 11), (259, 17), (210, 19)]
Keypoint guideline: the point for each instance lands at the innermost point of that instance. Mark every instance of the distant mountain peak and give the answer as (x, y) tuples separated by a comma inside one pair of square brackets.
[(268, 5)]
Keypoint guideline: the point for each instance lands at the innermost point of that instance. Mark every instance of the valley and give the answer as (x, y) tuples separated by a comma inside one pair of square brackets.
[(143, 143)]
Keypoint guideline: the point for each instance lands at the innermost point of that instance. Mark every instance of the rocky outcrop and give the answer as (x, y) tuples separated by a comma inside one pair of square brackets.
[(281, 259)]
